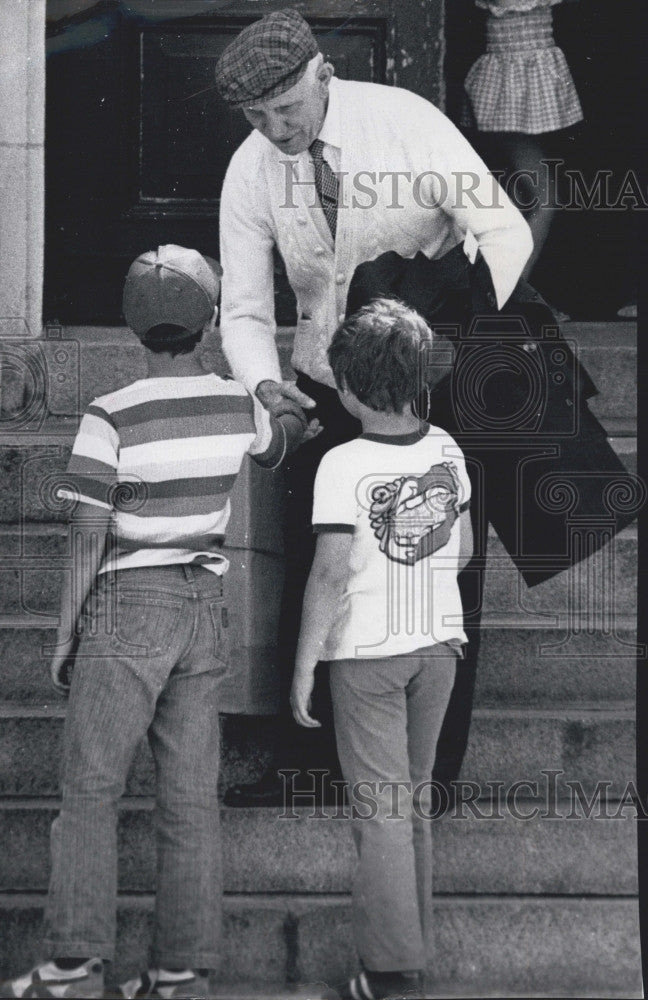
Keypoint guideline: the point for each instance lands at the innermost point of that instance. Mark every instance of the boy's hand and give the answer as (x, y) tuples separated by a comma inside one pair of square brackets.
[(314, 428), (300, 699), (297, 432)]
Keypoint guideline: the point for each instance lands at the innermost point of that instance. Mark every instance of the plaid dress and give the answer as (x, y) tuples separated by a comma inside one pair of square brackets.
[(499, 7), (522, 83)]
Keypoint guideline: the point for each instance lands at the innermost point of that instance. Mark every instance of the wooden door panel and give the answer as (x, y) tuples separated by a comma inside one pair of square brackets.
[(185, 133)]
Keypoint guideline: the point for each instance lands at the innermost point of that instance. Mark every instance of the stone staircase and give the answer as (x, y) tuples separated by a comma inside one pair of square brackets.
[(536, 887)]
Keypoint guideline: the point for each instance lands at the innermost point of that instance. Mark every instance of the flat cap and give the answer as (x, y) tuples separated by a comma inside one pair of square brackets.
[(267, 59)]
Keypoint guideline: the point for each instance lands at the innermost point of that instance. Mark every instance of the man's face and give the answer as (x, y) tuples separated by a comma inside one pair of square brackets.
[(293, 120)]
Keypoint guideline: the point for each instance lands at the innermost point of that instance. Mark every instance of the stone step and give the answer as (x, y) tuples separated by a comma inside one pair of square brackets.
[(32, 466), (608, 351), (479, 946), (544, 846), (626, 449), (535, 648), (528, 666), (76, 364), (506, 745), (603, 587), (546, 667)]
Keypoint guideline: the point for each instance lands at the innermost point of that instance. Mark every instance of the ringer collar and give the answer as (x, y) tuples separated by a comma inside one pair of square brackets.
[(401, 439)]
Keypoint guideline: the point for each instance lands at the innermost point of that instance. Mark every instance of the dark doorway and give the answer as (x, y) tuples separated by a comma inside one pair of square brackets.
[(137, 139)]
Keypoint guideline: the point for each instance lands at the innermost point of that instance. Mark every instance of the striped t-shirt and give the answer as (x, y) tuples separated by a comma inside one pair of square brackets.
[(163, 455)]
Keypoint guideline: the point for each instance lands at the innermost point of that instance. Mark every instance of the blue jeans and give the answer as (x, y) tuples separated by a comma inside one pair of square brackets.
[(150, 660)]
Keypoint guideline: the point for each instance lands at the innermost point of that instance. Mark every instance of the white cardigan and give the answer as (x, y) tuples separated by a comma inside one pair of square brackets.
[(269, 198)]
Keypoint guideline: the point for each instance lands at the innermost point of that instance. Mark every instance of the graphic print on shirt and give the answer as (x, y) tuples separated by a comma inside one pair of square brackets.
[(412, 516)]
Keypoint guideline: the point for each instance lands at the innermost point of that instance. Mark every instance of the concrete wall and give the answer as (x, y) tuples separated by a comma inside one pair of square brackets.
[(22, 135)]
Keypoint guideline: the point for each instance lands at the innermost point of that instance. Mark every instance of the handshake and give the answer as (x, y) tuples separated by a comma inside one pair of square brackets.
[(285, 400)]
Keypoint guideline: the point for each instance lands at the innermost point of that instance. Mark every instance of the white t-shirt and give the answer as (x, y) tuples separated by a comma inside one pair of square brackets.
[(400, 496)]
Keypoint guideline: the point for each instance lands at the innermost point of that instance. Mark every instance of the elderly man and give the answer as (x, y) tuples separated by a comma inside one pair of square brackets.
[(335, 173)]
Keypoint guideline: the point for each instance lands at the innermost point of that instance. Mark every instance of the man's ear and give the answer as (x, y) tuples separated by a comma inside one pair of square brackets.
[(324, 72)]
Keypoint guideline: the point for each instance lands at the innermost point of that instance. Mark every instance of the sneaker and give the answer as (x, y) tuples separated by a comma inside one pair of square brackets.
[(379, 986), (158, 983), (47, 980)]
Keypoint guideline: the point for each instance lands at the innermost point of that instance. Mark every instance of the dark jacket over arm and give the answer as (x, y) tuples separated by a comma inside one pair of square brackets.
[(515, 398)]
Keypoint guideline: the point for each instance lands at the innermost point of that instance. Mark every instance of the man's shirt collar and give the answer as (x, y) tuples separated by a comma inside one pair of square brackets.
[(330, 130)]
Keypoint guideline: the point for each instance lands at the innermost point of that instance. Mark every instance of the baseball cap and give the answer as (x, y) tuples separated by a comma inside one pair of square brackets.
[(266, 59), (171, 285)]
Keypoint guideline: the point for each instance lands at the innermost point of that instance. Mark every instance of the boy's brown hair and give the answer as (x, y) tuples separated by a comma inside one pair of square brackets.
[(379, 354)]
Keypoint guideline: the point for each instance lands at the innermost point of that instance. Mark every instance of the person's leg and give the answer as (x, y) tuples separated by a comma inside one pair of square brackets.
[(112, 701), (297, 748), (453, 738), (371, 702), (428, 695), (531, 185), (184, 738)]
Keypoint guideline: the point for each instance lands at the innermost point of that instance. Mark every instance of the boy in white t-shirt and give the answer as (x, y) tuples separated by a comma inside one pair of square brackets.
[(382, 604)]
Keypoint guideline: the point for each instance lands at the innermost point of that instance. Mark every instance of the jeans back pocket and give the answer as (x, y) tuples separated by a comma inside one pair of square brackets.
[(133, 622)]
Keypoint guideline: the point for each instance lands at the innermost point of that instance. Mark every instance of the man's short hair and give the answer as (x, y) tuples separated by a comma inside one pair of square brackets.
[(378, 354)]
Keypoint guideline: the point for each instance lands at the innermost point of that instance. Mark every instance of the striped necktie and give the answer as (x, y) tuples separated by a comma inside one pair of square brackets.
[(326, 184)]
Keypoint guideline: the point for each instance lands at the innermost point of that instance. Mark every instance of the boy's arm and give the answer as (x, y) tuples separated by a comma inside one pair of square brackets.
[(88, 529), (279, 436), (465, 539), (287, 432), (325, 587), (296, 431)]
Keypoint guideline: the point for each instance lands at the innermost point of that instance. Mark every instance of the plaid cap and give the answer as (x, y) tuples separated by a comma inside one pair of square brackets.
[(267, 59), (171, 285)]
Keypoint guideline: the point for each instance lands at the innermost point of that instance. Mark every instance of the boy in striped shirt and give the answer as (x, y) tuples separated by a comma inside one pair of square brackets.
[(150, 475)]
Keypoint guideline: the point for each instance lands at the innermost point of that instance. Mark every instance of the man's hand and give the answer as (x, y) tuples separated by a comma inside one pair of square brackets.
[(300, 699), (284, 397)]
